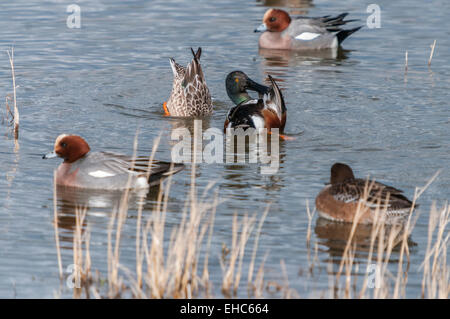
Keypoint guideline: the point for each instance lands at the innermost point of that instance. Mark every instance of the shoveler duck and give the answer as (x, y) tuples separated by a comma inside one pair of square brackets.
[(190, 95), (339, 200), (280, 31), (268, 111), (102, 170)]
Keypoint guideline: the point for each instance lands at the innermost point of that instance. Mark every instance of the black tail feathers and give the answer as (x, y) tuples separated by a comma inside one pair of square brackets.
[(197, 54), (343, 34)]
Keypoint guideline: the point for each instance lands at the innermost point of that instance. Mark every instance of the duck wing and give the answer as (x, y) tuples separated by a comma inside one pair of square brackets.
[(116, 164), (322, 24), (274, 100), (305, 28), (353, 191), (246, 114)]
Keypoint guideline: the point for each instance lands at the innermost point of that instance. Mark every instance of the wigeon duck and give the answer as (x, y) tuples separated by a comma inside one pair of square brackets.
[(190, 95), (102, 170), (268, 111), (280, 31), (339, 200)]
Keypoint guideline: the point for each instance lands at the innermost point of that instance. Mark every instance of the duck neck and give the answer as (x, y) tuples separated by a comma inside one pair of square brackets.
[(241, 97)]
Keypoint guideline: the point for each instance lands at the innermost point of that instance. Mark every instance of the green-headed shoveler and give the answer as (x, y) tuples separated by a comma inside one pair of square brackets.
[(303, 33), (268, 111), (190, 95), (339, 200)]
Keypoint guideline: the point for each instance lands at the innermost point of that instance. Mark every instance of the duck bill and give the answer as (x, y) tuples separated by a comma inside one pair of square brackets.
[(50, 155), (252, 85), (261, 28)]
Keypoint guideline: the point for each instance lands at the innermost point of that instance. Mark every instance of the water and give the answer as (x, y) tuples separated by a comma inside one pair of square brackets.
[(109, 78)]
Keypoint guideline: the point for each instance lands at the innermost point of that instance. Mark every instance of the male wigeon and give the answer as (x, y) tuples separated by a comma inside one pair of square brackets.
[(339, 200), (280, 31), (190, 95), (103, 170), (268, 111)]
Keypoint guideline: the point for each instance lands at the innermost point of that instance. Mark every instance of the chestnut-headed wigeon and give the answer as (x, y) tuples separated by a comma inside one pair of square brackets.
[(280, 31), (268, 111), (339, 200), (103, 170), (190, 95)]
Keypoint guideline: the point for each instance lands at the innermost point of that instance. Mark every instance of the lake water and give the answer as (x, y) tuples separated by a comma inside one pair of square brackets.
[(110, 77)]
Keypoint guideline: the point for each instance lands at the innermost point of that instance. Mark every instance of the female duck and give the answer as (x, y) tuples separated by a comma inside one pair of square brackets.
[(303, 33), (190, 95), (340, 199), (102, 170), (269, 111)]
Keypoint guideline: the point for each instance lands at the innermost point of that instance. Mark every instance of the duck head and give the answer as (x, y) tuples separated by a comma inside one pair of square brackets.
[(69, 147), (237, 83), (340, 173), (274, 20)]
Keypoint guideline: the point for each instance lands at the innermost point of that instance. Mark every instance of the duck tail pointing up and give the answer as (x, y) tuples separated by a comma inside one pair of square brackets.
[(197, 54), (343, 34), (193, 69)]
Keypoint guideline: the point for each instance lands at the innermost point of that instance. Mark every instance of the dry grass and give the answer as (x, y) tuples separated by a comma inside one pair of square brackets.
[(81, 256), (378, 282), (232, 263), (55, 225), (9, 113), (179, 269), (436, 272), (406, 62), (176, 265), (432, 52)]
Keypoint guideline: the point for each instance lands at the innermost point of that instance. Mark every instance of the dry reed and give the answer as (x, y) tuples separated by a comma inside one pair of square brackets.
[(16, 110), (384, 239), (432, 52), (176, 265)]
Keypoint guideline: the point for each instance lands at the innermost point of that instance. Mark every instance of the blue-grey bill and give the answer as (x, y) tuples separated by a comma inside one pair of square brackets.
[(261, 28), (49, 155)]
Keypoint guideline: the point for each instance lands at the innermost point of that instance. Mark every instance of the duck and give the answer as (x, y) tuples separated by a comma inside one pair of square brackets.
[(280, 31), (82, 168), (190, 95), (339, 200), (267, 111)]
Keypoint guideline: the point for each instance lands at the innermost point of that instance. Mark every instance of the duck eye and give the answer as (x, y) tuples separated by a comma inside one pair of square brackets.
[(63, 144), (272, 19)]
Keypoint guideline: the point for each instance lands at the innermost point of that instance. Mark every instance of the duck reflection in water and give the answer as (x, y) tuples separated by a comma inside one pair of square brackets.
[(335, 235), (287, 58), (95, 203)]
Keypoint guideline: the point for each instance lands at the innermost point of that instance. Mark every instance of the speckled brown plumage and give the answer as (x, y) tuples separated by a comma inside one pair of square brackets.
[(190, 95), (339, 200)]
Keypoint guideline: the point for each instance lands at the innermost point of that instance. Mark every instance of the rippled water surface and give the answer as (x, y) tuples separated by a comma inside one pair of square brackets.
[(110, 77)]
